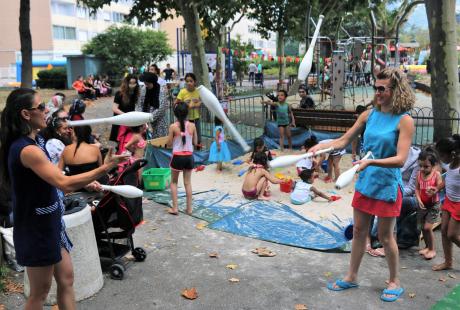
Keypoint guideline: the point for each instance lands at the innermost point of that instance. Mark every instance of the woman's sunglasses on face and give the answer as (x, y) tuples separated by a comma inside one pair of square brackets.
[(41, 107), (380, 89)]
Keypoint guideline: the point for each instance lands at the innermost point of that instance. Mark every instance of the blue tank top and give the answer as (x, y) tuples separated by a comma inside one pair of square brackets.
[(381, 138), (282, 114), (36, 210)]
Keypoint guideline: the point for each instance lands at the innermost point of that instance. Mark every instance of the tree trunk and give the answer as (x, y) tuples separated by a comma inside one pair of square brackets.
[(280, 53), (195, 42), (219, 55), (26, 44), (444, 75)]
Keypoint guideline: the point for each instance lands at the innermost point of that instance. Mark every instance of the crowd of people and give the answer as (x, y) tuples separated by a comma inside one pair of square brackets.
[(37, 145)]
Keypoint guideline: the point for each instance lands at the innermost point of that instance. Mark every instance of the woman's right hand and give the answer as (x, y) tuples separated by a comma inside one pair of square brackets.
[(113, 160)]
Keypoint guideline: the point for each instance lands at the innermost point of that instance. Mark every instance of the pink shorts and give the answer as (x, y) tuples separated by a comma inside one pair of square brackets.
[(250, 194), (452, 207)]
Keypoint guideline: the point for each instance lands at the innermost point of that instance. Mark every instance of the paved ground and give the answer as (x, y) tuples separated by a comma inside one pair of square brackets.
[(178, 259)]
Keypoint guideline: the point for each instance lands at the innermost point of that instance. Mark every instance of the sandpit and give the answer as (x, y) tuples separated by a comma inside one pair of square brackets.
[(318, 209)]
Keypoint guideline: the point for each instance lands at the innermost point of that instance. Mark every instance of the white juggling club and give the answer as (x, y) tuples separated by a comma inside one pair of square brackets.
[(347, 177), (283, 161), (127, 191), (129, 119), (305, 65), (213, 104)]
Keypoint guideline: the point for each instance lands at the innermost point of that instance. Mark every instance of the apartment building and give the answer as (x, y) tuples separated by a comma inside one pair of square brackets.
[(58, 28)]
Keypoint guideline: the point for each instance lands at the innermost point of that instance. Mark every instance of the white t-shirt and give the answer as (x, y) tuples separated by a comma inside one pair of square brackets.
[(305, 163), (55, 148), (211, 77)]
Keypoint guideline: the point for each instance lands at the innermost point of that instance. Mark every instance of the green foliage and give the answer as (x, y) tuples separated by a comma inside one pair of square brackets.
[(240, 64), (128, 46), (52, 78)]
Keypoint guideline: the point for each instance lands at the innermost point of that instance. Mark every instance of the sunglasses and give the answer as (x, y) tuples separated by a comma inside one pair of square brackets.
[(380, 89), (41, 107)]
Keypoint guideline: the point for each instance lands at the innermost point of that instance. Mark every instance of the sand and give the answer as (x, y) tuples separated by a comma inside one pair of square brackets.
[(318, 209)]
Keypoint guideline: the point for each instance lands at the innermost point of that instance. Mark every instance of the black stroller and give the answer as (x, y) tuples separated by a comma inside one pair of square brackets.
[(115, 220)]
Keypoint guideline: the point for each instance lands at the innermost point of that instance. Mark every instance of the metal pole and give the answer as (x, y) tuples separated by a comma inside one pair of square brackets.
[(229, 71), (177, 51), (373, 24), (307, 22)]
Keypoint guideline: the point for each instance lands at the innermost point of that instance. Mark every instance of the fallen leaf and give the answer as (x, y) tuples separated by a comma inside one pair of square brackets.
[(190, 293), (442, 279), (452, 276), (214, 255), (11, 287), (234, 280), (257, 250), (200, 226), (301, 307), (231, 266), (263, 252), (412, 295), (328, 274), (403, 267)]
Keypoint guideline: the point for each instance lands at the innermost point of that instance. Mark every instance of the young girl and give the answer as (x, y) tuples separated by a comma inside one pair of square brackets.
[(333, 162), (283, 113), (308, 163), (305, 191), (191, 97), (182, 137), (136, 145), (259, 146), (449, 151), (219, 151), (257, 178), (427, 185)]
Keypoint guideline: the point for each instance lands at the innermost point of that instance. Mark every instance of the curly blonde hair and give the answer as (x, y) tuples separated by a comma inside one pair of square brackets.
[(403, 98)]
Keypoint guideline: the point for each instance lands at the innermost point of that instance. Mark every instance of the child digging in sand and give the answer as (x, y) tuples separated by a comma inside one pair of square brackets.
[(182, 136), (305, 191), (427, 186), (257, 178), (449, 152)]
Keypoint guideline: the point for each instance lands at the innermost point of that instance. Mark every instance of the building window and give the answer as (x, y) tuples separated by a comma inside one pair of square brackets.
[(117, 17), (64, 33), (60, 8), (82, 35), (106, 16), (82, 12)]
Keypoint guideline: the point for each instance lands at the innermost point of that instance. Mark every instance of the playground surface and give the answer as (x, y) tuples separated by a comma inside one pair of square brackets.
[(178, 258)]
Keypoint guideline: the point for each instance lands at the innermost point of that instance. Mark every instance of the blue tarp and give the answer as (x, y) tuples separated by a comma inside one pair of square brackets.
[(159, 157), (264, 220)]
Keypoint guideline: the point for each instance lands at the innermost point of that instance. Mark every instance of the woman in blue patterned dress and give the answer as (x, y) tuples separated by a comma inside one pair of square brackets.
[(40, 240)]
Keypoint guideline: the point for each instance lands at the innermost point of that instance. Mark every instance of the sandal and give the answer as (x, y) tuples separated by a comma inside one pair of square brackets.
[(340, 285), (374, 252)]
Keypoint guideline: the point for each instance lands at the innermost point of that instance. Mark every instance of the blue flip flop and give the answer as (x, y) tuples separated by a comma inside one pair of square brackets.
[(397, 292), (341, 285)]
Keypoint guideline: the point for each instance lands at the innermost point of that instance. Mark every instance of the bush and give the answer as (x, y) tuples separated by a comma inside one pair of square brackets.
[(52, 78)]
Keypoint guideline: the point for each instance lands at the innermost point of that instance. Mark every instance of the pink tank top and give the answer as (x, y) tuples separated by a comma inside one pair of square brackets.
[(424, 185), (180, 148)]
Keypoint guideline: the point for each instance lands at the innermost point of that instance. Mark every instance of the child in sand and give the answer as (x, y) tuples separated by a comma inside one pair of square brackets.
[(284, 117), (304, 190), (308, 163), (182, 136), (427, 186), (219, 152), (449, 152), (257, 178), (259, 146), (333, 162)]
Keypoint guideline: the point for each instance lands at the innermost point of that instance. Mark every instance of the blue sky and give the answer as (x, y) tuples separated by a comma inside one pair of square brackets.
[(418, 17)]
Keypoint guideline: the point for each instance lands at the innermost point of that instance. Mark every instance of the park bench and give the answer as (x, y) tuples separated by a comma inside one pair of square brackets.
[(324, 120)]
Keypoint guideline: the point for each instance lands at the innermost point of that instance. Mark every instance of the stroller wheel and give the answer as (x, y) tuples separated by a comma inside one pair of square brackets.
[(117, 271), (139, 254)]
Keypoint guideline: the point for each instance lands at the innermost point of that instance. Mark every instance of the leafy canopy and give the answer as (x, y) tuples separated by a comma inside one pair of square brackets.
[(128, 46)]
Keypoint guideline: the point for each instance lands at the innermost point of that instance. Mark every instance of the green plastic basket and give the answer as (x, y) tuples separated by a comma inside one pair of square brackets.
[(156, 179)]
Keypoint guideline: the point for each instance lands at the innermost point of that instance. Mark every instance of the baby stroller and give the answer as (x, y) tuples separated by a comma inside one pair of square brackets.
[(115, 220)]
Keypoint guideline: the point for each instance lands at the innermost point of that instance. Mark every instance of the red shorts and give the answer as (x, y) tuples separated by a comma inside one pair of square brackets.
[(452, 207), (377, 207)]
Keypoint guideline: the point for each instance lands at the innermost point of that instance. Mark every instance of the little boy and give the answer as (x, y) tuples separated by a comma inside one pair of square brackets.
[(304, 190)]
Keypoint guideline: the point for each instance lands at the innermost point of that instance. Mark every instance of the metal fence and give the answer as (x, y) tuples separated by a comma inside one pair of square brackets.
[(249, 115)]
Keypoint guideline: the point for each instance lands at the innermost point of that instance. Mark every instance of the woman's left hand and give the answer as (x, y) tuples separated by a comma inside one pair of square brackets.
[(94, 186), (362, 164)]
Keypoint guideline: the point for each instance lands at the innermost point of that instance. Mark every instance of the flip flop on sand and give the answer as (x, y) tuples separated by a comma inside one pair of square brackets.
[(340, 285), (396, 293), (170, 211)]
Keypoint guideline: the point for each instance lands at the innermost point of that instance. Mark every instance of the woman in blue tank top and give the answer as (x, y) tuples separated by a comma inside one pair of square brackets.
[(40, 241), (388, 135)]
